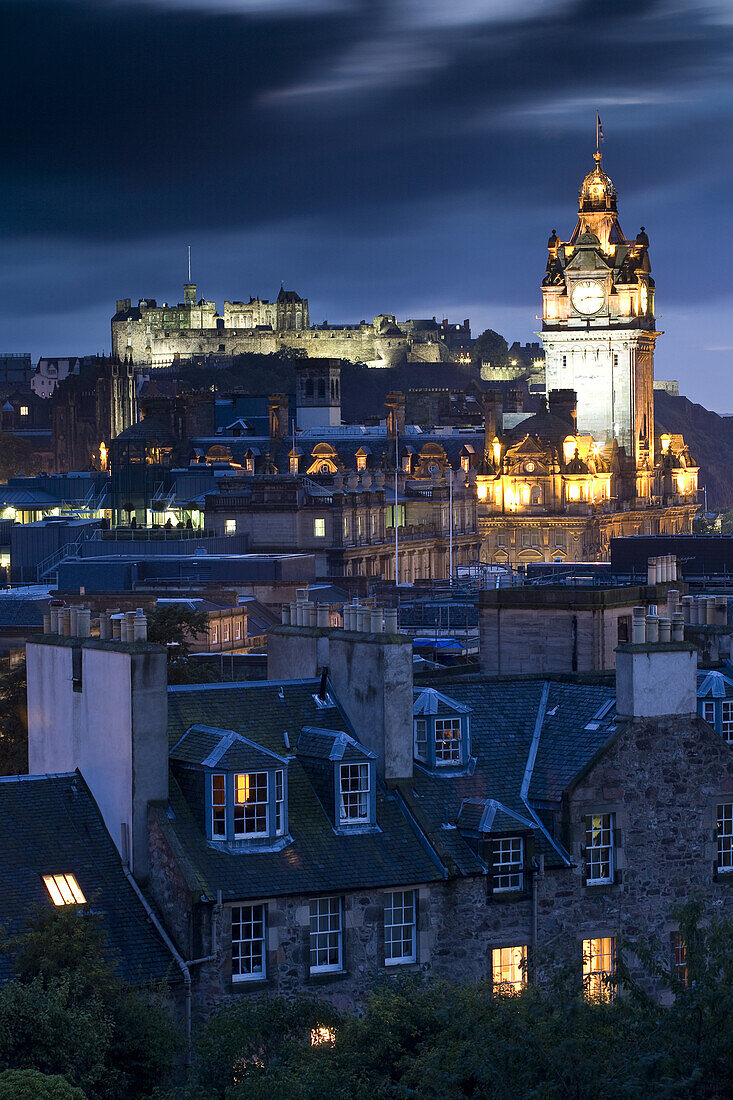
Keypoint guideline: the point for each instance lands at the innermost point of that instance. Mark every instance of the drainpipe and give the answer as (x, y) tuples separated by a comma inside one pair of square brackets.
[(183, 966), (538, 872)]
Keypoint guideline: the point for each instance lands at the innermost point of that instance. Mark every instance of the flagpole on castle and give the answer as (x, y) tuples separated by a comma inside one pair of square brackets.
[(599, 135)]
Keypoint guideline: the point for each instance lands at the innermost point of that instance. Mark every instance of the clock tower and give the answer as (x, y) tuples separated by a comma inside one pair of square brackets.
[(598, 325)]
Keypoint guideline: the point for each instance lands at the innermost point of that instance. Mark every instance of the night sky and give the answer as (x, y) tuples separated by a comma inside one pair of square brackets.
[(408, 156)]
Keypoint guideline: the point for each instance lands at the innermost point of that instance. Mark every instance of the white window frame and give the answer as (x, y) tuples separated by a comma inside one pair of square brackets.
[(218, 805), (225, 632), (326, 934), (708, 712), (450, 753), (508, 864), (400, 927), (421, 738), (599, 964), (724, 834), (253, 804), (509, 968), (319, 527), (279, 802), (599, 849), (252, 948), (230, 526), (354, 800), (726, 721)]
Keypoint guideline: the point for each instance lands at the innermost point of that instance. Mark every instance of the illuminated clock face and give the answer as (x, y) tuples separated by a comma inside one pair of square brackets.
[(643, 298), (588, 296)]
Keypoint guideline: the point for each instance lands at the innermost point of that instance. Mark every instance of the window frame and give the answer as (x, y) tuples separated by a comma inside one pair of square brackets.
[(253, 975), (215, 805), (442, 761), (502, 962), (726, 723), (335, 911), (724, 832), (594, 850), (417, 740), (361, 794), (679, 958), (248, 834), (596, 978), (509, 870), (319, 527), (708, 712), (395, 902)]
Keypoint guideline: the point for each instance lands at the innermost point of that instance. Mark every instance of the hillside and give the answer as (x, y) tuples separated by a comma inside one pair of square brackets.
[(710, 439)]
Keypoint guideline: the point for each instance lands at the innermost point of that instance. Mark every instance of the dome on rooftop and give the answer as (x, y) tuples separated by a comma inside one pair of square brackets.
[(597, 192)]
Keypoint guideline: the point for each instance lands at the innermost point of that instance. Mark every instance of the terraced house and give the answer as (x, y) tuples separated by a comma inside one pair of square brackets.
[(338, 822)]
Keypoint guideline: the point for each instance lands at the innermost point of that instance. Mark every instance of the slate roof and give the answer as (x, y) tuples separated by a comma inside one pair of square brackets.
[(51, 825), (210, 747), (527, 736), (715, 685), (22, 613), (317, 860)]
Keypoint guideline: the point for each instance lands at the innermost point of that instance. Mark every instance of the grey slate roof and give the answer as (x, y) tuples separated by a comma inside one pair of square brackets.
[(51, 825), (318, 860), (714, 685)]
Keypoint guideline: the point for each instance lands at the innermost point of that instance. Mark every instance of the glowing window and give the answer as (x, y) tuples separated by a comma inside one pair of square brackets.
[(326, 935), (230, 527), (599, 849), (447, 740), (218, 805), (400, 927), (354, 792), (64, 890), (509, 968), (319, 528), (725, 838), (24, 410), (250, 804), (248, 942), (599, 964), (361, 462), (507, 866), (323, 1036)]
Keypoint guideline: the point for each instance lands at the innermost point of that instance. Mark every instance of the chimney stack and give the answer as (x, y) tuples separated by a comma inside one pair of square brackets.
[(493, 407), (564, 405)]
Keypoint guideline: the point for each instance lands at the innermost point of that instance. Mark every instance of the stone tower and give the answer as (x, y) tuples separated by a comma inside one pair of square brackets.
[(318, 393), (598, 325)]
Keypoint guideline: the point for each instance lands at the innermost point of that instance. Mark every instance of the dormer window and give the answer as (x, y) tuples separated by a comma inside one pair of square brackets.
[(247, 805), (250, 804), (447, 740), (354, 793), (441, 730)]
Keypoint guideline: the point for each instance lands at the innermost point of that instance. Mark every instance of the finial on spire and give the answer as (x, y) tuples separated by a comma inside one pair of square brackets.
[(599, 138)]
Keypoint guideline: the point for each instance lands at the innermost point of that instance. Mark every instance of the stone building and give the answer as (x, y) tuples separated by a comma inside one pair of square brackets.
[(90, 409), (156, 335), (322, 828), (548, 491)]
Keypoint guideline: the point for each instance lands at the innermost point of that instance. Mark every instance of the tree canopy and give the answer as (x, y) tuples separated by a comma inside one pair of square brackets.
[(68, 1014), (448, 1041), (492, 347)]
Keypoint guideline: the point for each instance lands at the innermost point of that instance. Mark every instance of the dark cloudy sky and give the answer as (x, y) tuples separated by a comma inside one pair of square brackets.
[(406, 156)]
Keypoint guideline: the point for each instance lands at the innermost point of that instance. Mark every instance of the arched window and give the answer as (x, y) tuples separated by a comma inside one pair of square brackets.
[(322, 388), (309, 387)]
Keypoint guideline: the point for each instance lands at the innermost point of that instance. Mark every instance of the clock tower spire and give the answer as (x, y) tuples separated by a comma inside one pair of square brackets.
[(598, 325)]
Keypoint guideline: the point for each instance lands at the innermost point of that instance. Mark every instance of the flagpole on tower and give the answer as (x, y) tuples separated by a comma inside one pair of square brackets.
[(599, 135)]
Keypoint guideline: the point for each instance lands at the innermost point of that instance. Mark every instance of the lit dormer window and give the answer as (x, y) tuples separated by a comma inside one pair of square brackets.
[(245, 785), (447, 740), (441, 730)]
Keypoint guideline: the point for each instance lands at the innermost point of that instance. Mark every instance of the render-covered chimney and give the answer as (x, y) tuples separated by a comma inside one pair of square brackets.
[(564, 405), (656, 674)]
